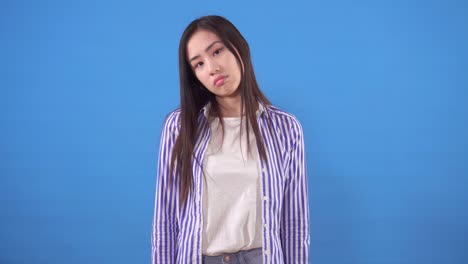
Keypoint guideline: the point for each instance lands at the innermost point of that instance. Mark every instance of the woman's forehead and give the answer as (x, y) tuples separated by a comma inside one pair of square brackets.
[(200, 41)]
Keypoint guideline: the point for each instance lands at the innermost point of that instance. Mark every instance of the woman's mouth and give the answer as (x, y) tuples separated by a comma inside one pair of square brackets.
[(219, 80)]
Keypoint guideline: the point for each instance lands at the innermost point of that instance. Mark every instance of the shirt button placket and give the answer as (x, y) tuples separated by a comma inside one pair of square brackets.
[(265, 199)]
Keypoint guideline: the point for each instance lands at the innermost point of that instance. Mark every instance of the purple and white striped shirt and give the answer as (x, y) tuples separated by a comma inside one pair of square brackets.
[(177, 234)]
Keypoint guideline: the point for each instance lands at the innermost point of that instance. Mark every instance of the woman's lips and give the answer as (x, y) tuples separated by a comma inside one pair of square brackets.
[(219, 81)]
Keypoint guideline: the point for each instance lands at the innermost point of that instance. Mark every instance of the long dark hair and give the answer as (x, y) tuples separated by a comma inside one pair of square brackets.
[(194, 96)]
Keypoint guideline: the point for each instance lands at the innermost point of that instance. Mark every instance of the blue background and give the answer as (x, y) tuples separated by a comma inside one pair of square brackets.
[(379, 86)]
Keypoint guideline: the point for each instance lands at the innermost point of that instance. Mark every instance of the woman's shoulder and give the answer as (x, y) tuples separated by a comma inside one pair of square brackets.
[(172, 120), (283, 118)]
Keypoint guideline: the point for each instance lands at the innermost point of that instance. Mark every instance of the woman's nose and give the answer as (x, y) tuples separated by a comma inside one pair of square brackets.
[(213, 67)]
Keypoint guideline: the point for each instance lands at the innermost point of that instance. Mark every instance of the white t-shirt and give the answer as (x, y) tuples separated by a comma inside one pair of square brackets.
[(232, 209)]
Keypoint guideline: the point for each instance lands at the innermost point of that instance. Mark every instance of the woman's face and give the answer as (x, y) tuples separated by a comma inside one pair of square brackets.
[(214, 64)]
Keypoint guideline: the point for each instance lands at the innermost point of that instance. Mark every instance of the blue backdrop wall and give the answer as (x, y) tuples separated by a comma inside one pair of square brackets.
[(379, 86)]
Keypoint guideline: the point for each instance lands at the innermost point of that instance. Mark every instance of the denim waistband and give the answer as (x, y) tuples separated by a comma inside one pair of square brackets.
[(244, 256)]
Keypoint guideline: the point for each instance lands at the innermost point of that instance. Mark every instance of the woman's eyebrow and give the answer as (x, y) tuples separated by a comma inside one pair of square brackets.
[(207, 48)]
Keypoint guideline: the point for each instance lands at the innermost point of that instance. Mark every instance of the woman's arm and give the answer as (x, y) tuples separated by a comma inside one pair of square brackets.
[(165, 227), (295, 235)]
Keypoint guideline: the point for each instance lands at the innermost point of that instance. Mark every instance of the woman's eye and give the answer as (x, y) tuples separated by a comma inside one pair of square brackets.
[(216, 52), (197, 65)]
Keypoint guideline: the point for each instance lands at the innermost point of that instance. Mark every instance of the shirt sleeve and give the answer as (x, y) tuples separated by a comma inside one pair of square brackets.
[(295, 236), (165, 225)]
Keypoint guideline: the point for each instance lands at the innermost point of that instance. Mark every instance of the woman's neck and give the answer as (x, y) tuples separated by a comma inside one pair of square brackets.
[(230, 106)]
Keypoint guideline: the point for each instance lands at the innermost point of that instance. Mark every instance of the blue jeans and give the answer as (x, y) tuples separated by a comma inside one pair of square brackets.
[(251, 256)]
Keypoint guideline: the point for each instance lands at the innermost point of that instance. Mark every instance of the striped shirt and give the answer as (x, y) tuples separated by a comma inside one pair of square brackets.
[(177, 232)]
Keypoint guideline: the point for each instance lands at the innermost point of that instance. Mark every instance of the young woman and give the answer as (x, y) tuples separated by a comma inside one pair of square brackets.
[(232, 184)]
